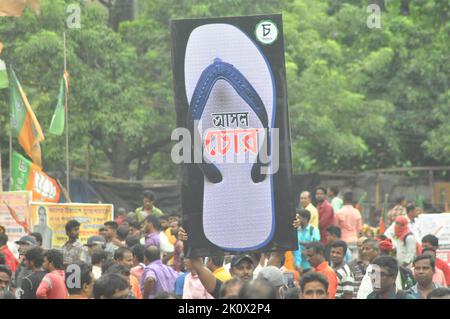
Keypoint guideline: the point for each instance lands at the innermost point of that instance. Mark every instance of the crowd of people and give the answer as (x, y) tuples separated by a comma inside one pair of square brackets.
[(140, 255)]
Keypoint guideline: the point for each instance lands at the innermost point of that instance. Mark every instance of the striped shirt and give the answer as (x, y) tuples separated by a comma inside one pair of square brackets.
[(358, 270), (346, 282)]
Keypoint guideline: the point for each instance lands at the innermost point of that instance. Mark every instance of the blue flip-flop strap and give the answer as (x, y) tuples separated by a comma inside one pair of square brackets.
[(220, 70)]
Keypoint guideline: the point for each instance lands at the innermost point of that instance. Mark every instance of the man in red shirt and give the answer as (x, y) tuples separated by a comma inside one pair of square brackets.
[(53, 285), (349, 220), (326, 214), (10, 260), (315, 251), (431, 241)]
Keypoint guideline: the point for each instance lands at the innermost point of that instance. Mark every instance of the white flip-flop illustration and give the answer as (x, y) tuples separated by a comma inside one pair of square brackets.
[(227, 77)]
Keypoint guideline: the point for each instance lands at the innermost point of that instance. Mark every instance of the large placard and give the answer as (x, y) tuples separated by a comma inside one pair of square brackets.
[(50, 220)]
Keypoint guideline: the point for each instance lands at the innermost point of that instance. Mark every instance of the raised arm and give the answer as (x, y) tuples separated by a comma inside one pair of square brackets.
[(204, 274)]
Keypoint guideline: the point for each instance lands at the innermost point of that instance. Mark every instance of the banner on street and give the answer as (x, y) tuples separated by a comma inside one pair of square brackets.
[(437, 225), (50, 220)]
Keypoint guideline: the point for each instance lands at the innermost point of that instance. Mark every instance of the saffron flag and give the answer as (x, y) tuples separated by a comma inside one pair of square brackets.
[(24, 123), (28, 176), (57, 123), (382, 225), (13, 213), (14, 8)]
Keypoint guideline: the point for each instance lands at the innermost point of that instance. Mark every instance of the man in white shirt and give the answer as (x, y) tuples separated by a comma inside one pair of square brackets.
[(370, 250)]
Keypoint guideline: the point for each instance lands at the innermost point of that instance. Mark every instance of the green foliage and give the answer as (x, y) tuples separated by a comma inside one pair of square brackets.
[(359, 98)]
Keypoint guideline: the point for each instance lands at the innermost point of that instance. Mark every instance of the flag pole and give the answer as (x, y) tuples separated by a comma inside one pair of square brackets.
[(10, 163), (10, 157), (66, 110), (1, 175), (1, 171)]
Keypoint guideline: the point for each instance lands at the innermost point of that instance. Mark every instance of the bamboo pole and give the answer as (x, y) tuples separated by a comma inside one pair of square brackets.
[(431, 179), (66, 110), (1, 175), (377, 192), (66, 194), (10, 157)]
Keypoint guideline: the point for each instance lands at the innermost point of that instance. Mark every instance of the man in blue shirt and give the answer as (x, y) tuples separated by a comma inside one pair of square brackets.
[(306, 233), (424, 268)]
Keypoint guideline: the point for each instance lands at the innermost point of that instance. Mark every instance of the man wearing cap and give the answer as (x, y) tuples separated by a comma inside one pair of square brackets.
[(276, 279), (93, 243), (242, 267), (24, 244)]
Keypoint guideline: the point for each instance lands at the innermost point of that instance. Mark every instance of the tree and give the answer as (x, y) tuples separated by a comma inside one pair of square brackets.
[(112, 107), (359, 98)]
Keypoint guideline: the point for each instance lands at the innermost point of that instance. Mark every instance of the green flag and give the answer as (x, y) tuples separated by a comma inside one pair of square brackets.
[(21, 170), (4, 83), (28, 176), (57, 124), (24, 123)]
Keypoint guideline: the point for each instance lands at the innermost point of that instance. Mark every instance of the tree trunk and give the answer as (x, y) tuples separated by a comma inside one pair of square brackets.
[(120, 159), (122, 10), (143, 167), (404, 8)]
